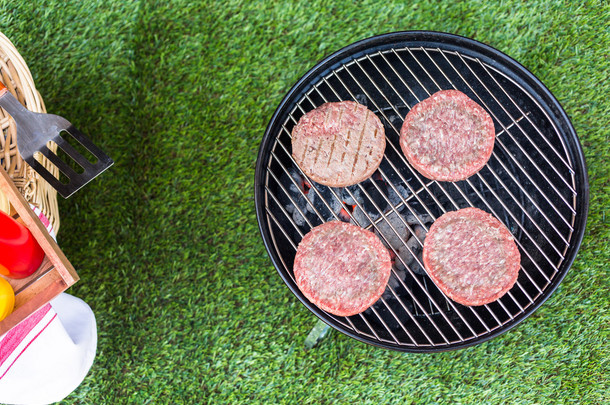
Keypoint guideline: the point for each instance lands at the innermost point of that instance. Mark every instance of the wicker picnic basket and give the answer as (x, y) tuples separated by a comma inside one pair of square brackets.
[(20, 188), (16, 76)]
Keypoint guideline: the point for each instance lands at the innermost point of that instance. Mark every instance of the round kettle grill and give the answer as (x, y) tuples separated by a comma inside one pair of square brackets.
[(535, 183)]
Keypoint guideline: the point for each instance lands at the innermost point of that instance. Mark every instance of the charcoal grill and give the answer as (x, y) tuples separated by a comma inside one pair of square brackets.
[(535, 182)]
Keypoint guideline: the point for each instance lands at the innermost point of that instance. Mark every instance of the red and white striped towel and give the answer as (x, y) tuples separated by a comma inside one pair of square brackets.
[(17, 340), (47, 356)]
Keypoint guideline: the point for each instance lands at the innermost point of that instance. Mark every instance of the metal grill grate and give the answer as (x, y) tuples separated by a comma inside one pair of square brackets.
[(530, 183)]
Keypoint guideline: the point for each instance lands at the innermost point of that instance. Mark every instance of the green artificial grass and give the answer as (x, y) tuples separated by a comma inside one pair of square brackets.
[(188, 305)]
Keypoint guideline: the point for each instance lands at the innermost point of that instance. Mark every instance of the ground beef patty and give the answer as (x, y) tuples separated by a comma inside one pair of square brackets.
[(471, 256), (342, 268), (447, 136), (338, 144)]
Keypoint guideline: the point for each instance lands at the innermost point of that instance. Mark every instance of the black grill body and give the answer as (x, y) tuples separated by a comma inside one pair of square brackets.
[(535, 183)]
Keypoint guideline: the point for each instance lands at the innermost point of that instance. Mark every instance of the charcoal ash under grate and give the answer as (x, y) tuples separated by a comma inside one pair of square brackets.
[(371, 202), (324, 200), (303, 203), (373, 197), (403, 235), (362, 99), (291, 196), (308, 201)]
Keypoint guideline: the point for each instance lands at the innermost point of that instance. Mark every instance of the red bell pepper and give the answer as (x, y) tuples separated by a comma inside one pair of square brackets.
[(20, 254)]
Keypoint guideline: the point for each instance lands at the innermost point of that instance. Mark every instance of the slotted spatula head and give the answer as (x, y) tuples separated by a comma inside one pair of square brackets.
[(35, 130)]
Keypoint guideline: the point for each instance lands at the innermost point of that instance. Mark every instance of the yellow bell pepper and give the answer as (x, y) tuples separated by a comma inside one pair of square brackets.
[(7, 298)]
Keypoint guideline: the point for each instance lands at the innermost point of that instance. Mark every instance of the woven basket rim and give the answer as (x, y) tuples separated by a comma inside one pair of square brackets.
[(16, 76)]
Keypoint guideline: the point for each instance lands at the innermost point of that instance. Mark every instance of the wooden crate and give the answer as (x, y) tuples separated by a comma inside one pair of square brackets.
[(55, 274)]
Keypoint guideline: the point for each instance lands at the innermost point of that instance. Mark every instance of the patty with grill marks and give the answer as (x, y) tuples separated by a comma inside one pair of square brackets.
[(338, 144)]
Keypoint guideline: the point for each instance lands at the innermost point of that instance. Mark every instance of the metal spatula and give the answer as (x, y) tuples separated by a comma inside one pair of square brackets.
[(34, 130)]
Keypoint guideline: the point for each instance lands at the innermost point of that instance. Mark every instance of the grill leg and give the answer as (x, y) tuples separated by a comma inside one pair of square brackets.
[(317, 334)]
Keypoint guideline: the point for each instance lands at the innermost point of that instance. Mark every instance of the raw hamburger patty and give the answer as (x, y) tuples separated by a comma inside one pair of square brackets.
[(471, 256), (447, 136), (342, 268), (338, 144)]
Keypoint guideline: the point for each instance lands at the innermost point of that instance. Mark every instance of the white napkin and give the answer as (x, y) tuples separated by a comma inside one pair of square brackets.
[(47, 356)]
